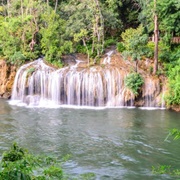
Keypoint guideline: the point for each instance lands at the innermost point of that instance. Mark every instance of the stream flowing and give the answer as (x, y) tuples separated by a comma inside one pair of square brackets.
[(112, 143)]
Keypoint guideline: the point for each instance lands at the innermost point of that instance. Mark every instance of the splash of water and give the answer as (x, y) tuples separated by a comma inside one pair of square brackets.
[(107, 60)]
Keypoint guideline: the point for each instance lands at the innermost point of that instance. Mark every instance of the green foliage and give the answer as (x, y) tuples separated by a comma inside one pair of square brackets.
[(30, 71), (134, 41), (55, 28), (109, 42), (149, 49), (165, 169), (17, 32), (54, 171), (89, 26), (81, 49), (168, 16), (18, 164), (27, 33), (120, 47), (52, 43), (14, 154), (164, 51), (173, 96), (133, 82), (175, 133), (17, 58), (161, 169)]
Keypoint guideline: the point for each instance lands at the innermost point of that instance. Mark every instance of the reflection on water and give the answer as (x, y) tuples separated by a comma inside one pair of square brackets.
[(112, 143)]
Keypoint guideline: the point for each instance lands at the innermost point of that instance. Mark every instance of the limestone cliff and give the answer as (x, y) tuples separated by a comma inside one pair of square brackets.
[(7, 75)]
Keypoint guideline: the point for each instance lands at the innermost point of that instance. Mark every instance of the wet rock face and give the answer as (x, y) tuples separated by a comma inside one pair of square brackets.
[(7, 75)]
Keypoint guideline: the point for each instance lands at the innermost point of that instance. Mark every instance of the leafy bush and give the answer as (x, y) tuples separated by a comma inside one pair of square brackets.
[(109, 42), (149, 49), (120, 47), (164, 52), (133, 82), (173, 96), (17, 58), (81, 49), (18, 164), (135, 41)]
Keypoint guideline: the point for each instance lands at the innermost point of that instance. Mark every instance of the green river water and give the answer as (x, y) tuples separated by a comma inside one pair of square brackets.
[(113, 144)]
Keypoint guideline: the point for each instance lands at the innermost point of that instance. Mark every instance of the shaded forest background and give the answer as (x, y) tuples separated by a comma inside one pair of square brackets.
[(30, 29)]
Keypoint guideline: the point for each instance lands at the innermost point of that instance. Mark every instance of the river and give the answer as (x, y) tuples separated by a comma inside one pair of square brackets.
[(112, 143)]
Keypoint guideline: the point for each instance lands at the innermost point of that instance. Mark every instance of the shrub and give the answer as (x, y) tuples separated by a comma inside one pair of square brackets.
[(149, 49), (133, 82), (109, 42), (17, 58), (120, 47), (18, 164), (135, 41), (164, 52), (174, 84)]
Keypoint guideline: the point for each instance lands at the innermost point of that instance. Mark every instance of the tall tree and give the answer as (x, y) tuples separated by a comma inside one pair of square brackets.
[(156, 37)]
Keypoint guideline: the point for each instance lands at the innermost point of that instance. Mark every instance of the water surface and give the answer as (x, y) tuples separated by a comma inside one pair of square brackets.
[(112, 143)]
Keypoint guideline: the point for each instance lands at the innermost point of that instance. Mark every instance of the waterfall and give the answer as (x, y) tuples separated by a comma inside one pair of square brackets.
[(149, 93), (107, 60), (153, 93), (37, 84)]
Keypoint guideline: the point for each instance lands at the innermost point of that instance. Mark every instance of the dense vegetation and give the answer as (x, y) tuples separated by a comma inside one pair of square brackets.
[(18, 163), (51, 28)]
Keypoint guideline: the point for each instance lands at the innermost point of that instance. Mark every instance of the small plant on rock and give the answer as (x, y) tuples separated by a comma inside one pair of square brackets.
[(133, 82)]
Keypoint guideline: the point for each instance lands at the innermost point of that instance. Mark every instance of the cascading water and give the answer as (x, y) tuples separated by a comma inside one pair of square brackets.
[(107, 60), (37, 84)]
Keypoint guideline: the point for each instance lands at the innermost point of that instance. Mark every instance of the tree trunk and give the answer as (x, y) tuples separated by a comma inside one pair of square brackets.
[(8, 6), (22, 13), (155, 39), (55, 9), (136, 65), (84, 43)]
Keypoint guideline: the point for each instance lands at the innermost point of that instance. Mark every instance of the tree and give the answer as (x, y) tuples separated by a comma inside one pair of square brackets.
[(134, 41), (156, 37), (53, 43), (162, 17), (85, 23), (32, 29), (173, 97), (88, 21)]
